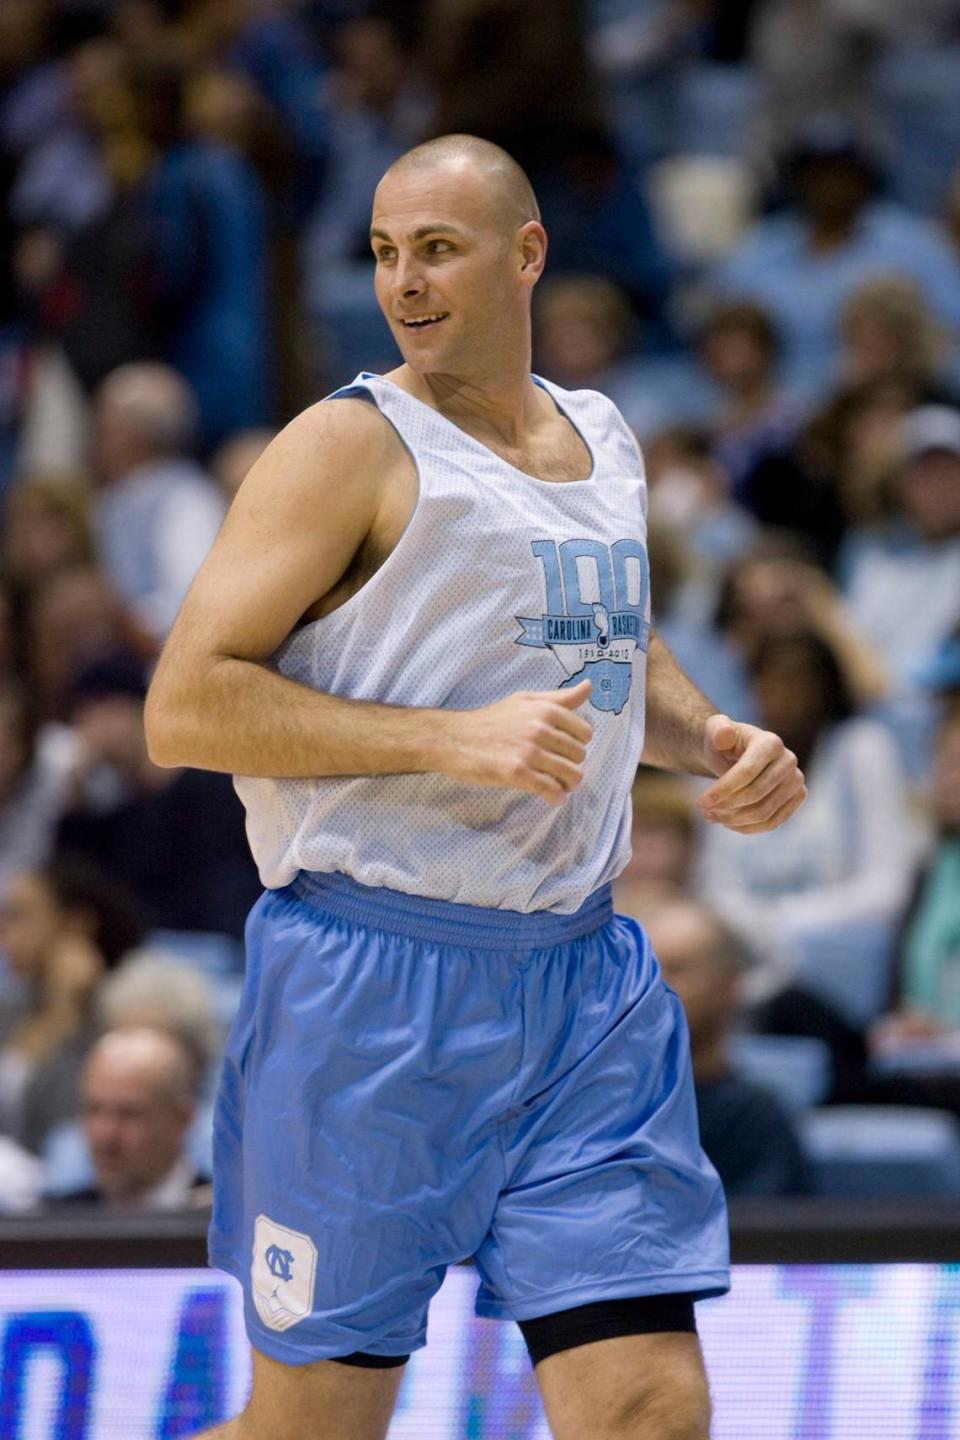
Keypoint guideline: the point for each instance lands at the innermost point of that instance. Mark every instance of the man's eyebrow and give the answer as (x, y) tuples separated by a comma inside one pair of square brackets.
[(441, 227)]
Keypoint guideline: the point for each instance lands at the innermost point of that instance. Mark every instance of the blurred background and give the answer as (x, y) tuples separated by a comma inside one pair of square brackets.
[(754, 218)]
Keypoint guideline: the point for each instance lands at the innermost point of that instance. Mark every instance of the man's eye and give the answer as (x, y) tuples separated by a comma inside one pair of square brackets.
[(386, 252)]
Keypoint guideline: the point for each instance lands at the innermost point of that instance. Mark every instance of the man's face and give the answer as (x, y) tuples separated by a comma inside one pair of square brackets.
[(448, 268), (930, 493), (31, 922), (134, 1125), (707, 989)]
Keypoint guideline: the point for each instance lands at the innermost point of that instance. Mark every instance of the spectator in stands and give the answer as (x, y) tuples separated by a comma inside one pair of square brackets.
[(824, 49), (903, 576), (587, 337), (927, 982), (31, 77), (743, 1128), (663, 838), (691, 493), (514, 73), (270, 46), (376, 110), (520, 75), (47, 529), (62, 926), (888, 332), (840, 464), (139, 1095), (70, 619), (205, 211), (584, 328), (684, 588), (85, 280), (845, 862), (68, 178), (803, 263), (156, 513), (154, 988), (176, 837), (34, 769), (235, 457), (739, 349), (776, 587), (596, 214)]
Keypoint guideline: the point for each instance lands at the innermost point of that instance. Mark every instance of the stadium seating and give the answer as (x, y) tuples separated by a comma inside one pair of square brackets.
[(877, 1151), (794, 1068)]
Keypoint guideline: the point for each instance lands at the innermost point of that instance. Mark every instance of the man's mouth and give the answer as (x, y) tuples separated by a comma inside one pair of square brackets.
[(420, 322)]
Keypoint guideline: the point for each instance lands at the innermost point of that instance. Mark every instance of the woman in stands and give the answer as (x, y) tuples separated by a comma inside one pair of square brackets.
[(840, 873), (62, 927)]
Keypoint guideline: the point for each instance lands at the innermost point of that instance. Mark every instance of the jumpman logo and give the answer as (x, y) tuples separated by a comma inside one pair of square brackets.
[(279, 1263)]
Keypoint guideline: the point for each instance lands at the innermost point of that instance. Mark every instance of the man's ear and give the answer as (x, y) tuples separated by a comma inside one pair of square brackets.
[(532, 246)]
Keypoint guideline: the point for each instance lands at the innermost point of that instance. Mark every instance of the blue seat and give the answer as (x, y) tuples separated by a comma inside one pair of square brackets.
[(850, 967), (716, 107), (882, 1150), (795, 1068), (918, 95)]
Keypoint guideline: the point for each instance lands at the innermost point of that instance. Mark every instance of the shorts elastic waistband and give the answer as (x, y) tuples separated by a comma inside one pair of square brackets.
[(473, 926)]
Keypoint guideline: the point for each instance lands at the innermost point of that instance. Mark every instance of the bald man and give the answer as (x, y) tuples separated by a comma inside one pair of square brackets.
[(448, 1045), (138, 1102)]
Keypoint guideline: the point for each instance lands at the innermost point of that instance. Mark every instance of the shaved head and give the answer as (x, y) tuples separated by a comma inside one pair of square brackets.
[(458, 247), (509, 183)]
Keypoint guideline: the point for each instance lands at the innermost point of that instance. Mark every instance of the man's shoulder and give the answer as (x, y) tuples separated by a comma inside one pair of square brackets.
[(345, 423)]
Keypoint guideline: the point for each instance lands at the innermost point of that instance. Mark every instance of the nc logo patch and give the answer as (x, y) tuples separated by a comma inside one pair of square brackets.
[(597, 598), (283, 1273)]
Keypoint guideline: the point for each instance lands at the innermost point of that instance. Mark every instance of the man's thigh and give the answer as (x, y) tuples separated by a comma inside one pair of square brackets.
[(631, 1387), (325, 1400)]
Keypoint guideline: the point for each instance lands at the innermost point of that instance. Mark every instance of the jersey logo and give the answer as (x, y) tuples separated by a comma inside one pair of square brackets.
[(279, 1262), (283, 1273), (595, 618)]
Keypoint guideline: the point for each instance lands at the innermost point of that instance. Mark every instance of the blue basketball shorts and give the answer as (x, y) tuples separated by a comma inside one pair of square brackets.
[(410, 1083)]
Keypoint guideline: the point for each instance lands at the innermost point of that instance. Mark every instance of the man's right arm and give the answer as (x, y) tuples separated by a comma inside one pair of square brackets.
[(297, 522)]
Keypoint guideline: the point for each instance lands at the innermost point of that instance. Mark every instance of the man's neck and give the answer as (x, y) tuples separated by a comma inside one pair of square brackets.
[(506, 405)]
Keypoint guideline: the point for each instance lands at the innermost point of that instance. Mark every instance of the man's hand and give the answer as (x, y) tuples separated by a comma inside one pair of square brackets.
[(533, 741), (761, 784)]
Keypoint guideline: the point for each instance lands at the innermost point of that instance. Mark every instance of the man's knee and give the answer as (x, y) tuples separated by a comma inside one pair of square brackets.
[(668, 1407)]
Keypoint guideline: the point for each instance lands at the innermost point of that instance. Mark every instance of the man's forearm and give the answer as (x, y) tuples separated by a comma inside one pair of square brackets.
[(241, 718), (677, 713)]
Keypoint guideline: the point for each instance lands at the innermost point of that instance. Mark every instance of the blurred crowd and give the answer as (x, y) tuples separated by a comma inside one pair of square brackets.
[(754, 218)]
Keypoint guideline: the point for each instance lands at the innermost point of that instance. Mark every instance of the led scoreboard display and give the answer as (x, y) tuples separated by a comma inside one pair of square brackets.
[(795, 1352)]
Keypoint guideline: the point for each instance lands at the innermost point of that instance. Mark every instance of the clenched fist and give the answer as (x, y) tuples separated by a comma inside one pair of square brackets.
[(533, 740), (761, 784)]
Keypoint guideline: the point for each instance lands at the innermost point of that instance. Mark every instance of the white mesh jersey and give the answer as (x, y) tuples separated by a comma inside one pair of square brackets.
[(501, 582)]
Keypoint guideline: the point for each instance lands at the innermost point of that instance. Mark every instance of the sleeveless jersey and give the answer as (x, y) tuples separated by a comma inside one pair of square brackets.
[(501, 582)]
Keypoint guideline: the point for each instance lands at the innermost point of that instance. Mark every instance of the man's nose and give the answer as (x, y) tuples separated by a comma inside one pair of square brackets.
[(408, 279)]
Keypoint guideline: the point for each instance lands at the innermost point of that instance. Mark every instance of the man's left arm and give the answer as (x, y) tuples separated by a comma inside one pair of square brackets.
[(758, 781)]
